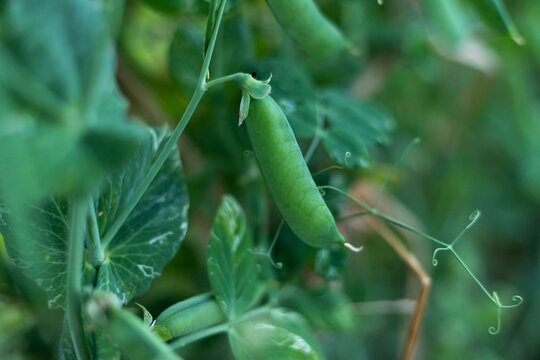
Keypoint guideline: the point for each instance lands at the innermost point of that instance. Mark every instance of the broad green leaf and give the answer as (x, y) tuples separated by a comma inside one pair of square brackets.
[(147, 240), (231, 267), (353, 126), (281, 335), (185, 56), (294, 92), (62, 106), (153, 232)]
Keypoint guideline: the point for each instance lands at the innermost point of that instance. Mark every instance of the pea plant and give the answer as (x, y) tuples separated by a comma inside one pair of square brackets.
[(94, 201)]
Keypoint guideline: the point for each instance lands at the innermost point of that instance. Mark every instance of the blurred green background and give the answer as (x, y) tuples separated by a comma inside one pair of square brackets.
[(447, 72)]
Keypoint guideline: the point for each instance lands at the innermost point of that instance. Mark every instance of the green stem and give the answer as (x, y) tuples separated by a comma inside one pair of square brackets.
[(143, 185), (375, 212), (224, 79), (77, 216), (93, 240)]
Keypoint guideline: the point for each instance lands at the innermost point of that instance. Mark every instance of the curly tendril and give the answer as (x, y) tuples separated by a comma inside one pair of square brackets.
[(475, 215), (337, 167), (494, 330), (473, 218)]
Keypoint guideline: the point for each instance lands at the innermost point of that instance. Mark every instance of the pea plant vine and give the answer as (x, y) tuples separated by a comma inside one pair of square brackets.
[(95, 204)]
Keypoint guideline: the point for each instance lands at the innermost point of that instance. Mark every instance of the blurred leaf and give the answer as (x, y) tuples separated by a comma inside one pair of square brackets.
[(231, 267), (353, 126), (153, 232), (57, 80), (323, 308), (185, 56), (283, 335), (162, 332), (135, 339), (42, 256), (293, 91), (169, 7)]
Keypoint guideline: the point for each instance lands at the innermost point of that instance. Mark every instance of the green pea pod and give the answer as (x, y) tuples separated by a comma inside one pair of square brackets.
[(191, 315), (135, 338), (287, 175), (306, 25)]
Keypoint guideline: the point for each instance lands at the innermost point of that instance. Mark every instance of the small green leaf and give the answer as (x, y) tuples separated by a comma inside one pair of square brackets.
[(282, 335), (147, 317), (244, 107), (162, 332), (231, 267), (353, 126)]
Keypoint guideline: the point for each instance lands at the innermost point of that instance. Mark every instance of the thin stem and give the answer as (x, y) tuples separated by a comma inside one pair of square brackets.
[(338, 167), (77, 216), (472, 275), (410, 228), (224, 79), (143, 185), (276, 235), (312, 147), (93, 240)]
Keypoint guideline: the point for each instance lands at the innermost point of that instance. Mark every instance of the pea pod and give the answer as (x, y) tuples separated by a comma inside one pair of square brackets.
[(287, 175), (191, 315), (306, 25), (135, 338)]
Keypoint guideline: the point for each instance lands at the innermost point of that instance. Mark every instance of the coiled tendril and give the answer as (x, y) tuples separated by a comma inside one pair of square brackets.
[(473, 218)]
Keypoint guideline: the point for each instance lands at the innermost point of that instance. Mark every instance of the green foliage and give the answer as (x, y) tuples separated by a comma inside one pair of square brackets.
[(94, 204), (231, 267), (152, 233)]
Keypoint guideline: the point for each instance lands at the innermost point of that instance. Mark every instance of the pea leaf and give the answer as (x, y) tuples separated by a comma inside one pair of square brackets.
[(281, 335), (353, 126), (153, 232), (61, 106), (147, 240), (231, 267), (294, 92)]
